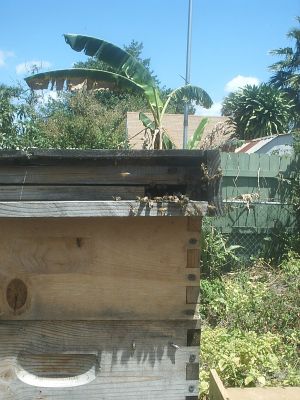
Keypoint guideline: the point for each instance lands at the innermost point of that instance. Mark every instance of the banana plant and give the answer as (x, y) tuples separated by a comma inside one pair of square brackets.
[(129, 74)]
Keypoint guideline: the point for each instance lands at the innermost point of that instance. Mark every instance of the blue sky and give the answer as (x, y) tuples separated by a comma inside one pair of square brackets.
[(230, 38)]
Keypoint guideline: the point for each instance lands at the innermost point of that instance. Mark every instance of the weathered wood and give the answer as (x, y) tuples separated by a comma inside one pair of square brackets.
[(192, 371), (217, 390), (94, 175), (193, 258), (151, 156), (132, 359), (58, 193), (192, 294), (123, 208), (265, 393), (159, 172), (194, 224), (108, 268)]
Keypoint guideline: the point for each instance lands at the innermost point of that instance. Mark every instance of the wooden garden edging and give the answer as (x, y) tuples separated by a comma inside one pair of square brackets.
[(217, 391)]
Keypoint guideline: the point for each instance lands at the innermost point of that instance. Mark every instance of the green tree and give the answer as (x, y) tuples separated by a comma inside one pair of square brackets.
[(287, 70), (257, 111), (79, 120), (131, 76), (8, 129), (18, 118)]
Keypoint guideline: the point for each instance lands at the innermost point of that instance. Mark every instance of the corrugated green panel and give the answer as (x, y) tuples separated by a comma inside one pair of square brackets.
[(260, 217), (285, 162), (264, 164), (250, 174)]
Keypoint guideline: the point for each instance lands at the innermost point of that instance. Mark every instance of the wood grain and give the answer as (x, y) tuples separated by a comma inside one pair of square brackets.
[(93, 175), (135, 359), (193, 258), (217, 390), (108, 268), (73, 209), (48, 193)]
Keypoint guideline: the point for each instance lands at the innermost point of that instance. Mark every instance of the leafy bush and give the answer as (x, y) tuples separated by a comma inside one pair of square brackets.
[(251, 325), (249, 358), (260, 298), (216, 256)]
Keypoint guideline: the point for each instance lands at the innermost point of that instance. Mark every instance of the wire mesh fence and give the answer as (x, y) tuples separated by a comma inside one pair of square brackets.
[(258, 228)]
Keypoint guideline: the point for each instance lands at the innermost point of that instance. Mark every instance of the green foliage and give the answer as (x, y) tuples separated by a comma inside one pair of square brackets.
[(18, 129), (251, 325), (80, 121), (128, 73), (260, 298), (248, 358), (76, 120), (216, 256), (194, 141), (257, 111), (287, 70)]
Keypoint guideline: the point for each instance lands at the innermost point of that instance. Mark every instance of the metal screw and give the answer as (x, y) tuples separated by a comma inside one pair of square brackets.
[(193, 241), (191, 277), (191, 388), (192, 358)]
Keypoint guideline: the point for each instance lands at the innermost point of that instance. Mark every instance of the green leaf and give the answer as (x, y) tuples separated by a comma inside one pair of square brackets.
[(167, 142), (195, 139), (123, 62), (146, 121), (248, 380), (191, 93), (118, 58)]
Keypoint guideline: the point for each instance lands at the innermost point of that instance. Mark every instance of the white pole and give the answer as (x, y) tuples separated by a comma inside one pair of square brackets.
[(187, 74)]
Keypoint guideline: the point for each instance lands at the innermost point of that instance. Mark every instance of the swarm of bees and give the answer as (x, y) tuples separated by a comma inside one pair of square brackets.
[(176, 198)]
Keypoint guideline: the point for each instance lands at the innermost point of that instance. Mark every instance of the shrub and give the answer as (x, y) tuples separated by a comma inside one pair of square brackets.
[(248, 358)]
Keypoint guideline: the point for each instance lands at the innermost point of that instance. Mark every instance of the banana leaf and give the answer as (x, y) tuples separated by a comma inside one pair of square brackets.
[(118, 58), (193, 93), (123, 62), (81, 78), (146, 121), (167, 142), (197, 135)]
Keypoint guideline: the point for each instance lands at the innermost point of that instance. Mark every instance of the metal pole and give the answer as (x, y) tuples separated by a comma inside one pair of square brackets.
[(187, 74)]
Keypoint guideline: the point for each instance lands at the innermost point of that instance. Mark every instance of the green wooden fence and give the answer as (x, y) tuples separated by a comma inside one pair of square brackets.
[(256, 197)]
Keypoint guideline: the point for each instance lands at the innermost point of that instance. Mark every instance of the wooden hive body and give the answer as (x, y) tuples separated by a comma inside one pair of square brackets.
[(98, 297)]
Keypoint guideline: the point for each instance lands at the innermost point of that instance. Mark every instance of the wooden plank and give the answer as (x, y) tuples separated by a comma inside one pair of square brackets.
[(72, 209), (105, 269), (216, 389), (193, 258), (194, 224), (42, 193), (265, 393), (192, 371), (94, 175), (34, 155), (133, 360), (192, 295)]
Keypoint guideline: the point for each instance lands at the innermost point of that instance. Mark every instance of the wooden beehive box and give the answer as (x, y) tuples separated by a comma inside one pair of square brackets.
[(99, 273)]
